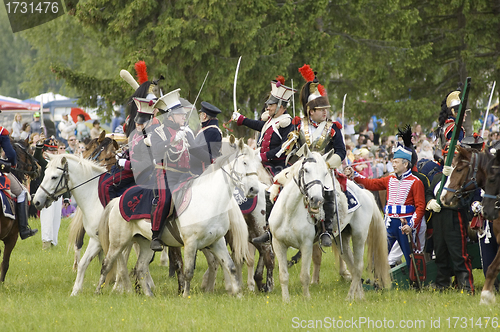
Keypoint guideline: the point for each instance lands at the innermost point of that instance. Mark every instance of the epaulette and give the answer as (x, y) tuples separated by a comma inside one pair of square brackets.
[(3, 131), (338, 124)]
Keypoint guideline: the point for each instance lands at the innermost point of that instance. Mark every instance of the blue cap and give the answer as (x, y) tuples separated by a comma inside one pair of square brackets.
[(403, 153), (209, 109)]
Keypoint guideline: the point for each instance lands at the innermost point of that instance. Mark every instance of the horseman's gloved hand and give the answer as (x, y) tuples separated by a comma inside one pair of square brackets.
[(121, 162), (235, 116), (180, 135), (334, 161), (147, 140), (447, 170), (433, 206), (274, 190)]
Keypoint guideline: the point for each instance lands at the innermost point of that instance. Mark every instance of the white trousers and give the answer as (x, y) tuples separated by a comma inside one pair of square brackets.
[(50, 219)]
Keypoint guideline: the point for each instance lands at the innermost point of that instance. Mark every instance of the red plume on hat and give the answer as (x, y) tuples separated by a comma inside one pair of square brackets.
[(309, 75), (280, 79), (142, 73)]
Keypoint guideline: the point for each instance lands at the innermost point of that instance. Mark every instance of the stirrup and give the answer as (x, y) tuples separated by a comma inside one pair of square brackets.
[(264, 238), (157, 245), (327, 242), (28, 232)]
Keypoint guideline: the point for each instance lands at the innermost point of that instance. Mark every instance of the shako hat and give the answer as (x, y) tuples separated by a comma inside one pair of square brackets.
[(170, 102), (474, 142), (280, 93), (402, 152), (453, 99), (210, 109)]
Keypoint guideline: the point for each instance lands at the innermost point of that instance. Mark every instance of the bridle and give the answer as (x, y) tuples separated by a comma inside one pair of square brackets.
[(94, 156), (473, 168), (237, 177), (304, 187), (497, 197), (63, 184)]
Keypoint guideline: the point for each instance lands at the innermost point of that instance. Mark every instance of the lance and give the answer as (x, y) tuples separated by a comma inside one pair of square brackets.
[(201, 88), (343, 121), (42, 124), (454, 136), (488, 109)]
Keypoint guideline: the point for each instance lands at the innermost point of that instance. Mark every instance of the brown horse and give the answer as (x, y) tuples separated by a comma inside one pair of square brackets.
[(474, 170), (491, 209), (9, 229)]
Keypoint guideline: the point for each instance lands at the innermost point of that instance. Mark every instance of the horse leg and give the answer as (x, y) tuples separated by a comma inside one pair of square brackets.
[(164, 259), (10, 243), (488, 293), (190, 259), (305, 273), (280, 251), (114, 254), (142, 265), (219, 249), (316, 258), (358, 245), (268, 255), (250, 267), (258, 276), (208, 282), (343, 271), (175, 258), (93, 249), (78, 248)]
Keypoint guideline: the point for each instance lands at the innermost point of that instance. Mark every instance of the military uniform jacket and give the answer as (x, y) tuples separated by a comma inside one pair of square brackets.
[(323, 138), (206, 146), (405, 195), (10, 154), (272, 136)]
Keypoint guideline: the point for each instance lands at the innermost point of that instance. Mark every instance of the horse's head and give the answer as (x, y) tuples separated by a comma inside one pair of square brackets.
[(311, 178), (102, 150), (26, 164), (55, 181), (491, 198), (245, 168), (469, 174), (465, 176)]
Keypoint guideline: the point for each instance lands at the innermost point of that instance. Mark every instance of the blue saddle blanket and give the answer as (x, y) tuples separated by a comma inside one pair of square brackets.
[(352, 201), (6, 207), (136, 202), (247, 205)]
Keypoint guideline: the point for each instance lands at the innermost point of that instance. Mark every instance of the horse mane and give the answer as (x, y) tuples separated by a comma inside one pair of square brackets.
[(88, 166)]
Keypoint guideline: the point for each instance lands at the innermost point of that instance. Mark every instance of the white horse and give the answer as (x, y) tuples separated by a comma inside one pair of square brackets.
[(65, 172), (292, 225), (202, 225)]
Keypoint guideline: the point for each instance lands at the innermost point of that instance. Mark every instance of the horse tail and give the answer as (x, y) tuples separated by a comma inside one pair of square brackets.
[(103, 230), (76, 230), (377, 247), (239, 232)]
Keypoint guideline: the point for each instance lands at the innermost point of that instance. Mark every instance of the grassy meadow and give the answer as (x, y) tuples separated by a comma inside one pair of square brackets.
[(36, 297)]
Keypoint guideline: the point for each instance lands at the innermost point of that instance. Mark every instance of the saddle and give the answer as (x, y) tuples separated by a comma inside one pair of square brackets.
[(8, 202)]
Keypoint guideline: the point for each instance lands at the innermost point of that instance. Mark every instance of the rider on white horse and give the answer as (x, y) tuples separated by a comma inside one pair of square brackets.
[(321, 135), (274, 128), (14, 185)]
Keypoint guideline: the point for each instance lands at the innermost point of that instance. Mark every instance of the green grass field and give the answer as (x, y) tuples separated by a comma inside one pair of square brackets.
[(36, 297)]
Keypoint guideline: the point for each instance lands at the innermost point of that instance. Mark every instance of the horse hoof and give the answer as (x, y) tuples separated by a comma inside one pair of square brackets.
[(487, 298)]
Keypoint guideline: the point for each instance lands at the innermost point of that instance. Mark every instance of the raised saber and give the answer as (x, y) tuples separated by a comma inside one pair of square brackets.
[(235, 108), (196, 99), (488, 109)]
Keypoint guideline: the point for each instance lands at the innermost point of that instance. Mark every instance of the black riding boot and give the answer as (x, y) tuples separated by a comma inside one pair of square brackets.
[(156, 242), (325, 239), (22, 218), (266, 237)]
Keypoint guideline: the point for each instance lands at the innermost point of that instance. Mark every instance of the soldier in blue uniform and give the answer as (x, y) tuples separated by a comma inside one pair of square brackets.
[(15, 186), (208, 139), (274, 128)]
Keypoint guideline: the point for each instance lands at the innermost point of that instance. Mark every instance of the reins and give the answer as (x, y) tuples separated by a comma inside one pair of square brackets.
[(304, 187), (473, 167)]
